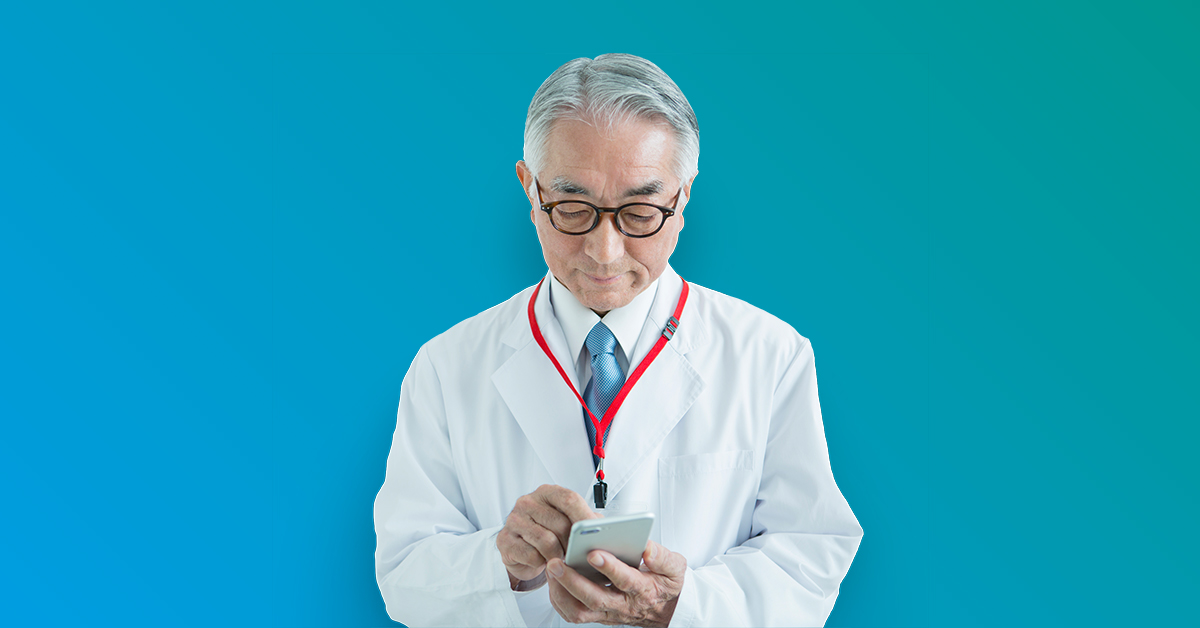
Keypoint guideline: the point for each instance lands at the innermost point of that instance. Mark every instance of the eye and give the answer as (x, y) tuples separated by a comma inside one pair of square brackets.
[(640, 214)]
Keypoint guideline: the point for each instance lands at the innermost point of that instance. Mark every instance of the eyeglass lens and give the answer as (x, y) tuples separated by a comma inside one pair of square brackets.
[(579, 217)]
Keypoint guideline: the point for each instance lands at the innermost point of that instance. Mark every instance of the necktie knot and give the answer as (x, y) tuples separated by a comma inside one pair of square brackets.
[(601, 340)]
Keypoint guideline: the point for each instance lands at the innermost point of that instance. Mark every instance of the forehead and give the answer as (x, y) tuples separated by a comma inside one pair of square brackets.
[(628, 153)]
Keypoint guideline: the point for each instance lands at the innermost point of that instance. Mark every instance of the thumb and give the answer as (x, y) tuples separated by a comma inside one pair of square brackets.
[(663, 561)]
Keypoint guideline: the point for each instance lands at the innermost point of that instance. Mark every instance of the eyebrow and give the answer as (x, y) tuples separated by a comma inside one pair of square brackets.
[(567, 186)]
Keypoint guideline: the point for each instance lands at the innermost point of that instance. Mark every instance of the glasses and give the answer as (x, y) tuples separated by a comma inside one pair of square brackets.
[(635, 220)]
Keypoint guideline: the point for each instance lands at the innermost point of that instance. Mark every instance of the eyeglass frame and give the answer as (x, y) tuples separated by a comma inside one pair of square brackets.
[(600, 211)]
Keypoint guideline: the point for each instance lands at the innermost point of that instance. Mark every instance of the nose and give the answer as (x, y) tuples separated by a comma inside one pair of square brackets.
[(605, 244)]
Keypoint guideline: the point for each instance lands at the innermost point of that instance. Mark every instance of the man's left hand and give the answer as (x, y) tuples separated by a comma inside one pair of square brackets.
[(637, 597)]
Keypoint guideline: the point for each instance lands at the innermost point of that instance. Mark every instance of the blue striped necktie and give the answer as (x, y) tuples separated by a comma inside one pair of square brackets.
[(606, 381)]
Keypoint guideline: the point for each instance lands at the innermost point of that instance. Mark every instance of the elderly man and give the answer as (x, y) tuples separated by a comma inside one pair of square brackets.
[(717, 431)]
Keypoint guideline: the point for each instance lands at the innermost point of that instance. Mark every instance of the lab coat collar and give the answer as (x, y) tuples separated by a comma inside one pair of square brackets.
[(692, 329), (550, 415)]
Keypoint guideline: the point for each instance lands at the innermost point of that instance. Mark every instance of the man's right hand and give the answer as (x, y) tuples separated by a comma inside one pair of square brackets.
[(537, 530)]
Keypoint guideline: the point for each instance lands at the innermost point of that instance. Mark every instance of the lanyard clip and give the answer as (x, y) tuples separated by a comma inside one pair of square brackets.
[(600, 493), (672, 326), (600, 490)]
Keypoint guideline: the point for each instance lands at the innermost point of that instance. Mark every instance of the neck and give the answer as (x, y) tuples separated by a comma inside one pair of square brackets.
[(601, 314)]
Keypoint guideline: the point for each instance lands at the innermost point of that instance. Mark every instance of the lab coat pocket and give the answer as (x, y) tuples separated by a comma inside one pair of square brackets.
[(706, 499)]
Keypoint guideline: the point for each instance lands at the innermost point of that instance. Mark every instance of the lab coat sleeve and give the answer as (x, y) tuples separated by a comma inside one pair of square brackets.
[(433, 566), (803, 534)]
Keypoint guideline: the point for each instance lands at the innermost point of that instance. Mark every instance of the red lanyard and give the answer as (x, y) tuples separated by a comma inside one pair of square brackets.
[(601, 489)]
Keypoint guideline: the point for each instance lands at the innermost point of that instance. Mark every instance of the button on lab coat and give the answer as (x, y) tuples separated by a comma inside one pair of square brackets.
[(721, 439)]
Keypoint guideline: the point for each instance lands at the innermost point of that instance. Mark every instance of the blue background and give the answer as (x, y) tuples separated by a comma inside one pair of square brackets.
[(224, 233)]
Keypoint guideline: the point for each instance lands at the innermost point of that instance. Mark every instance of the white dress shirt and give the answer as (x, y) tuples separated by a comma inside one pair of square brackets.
[(625, 323)]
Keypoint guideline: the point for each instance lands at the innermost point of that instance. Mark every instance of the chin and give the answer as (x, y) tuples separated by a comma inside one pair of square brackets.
[(607, 301), (605, 298)]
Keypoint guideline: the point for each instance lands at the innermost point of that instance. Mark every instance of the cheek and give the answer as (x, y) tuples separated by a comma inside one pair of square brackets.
[(654, 257), (556, 248), (561, 245)]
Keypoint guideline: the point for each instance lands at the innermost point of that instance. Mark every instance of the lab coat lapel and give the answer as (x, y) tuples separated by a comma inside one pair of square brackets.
[(664, 393), (543, 405)]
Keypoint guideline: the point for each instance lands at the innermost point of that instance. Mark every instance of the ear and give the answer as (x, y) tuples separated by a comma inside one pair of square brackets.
[(687, 190), (526, 177), (687, 196)]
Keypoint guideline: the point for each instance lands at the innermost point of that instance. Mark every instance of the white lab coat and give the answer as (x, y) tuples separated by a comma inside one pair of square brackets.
[(721, 439)]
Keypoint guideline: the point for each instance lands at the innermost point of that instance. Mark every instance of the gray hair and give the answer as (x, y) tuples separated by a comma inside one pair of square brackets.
[(608, 91)]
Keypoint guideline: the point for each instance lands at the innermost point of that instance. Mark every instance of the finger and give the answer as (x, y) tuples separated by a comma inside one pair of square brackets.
[(523, 522), (523, 573), (565, 501), (556, 591), (554, 521), (663, 561), (590, 594), (544, 541), (519, 558), (622, 576), (524, 557), (569, 607)]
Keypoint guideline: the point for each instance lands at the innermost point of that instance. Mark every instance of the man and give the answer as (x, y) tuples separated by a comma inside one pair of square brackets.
[(721, 437)]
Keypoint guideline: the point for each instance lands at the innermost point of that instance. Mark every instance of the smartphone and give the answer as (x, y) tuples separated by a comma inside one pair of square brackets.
[(622, 536)]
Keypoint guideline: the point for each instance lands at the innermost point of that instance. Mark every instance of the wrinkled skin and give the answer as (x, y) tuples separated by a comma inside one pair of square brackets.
[(637, 597)]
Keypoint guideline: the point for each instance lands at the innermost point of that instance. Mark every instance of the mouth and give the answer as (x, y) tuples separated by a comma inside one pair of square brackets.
[(604, 281)]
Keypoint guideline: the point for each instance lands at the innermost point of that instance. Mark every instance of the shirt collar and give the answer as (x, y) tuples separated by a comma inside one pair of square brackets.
[(577, 320)]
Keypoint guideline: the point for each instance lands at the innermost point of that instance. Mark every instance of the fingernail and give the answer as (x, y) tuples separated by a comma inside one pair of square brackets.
[(596, 560), (653, 551), (556, 568)]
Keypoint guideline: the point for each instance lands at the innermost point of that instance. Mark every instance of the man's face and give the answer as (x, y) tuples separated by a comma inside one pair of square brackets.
[(605, 269)]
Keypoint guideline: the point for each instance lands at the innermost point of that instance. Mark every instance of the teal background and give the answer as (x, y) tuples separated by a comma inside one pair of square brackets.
[(223, 235)]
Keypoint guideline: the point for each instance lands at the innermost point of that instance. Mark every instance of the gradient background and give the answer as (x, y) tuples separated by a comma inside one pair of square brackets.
[(223, 237)]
